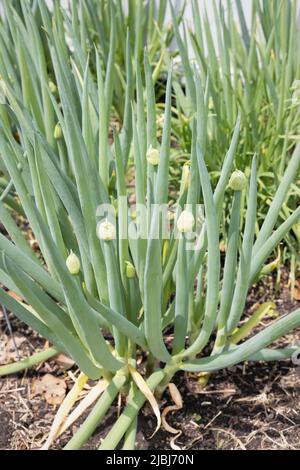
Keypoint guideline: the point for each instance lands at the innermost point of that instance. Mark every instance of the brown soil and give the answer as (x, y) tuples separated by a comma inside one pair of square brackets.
[(250, 406)]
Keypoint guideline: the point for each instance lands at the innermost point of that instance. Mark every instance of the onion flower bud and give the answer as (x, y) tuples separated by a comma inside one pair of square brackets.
[(52, 87), (185, 179), (185, 222), (153, 156), (106, 231), (57, 132), (130, 270), (73, 263), (238, 181)]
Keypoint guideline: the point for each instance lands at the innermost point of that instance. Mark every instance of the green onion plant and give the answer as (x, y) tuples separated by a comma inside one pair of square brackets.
[(130, 310), (254, 70)]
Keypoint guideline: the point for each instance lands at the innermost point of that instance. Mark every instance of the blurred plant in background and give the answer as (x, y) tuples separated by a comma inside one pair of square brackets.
[(256, 71)]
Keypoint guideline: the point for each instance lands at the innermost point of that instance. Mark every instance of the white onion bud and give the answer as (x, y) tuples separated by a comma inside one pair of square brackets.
[(52, 87), (185, 176), (57, 132), (185, 222), (73, 263), (153, 156), (238, 181), (130, 270), (106, 231)]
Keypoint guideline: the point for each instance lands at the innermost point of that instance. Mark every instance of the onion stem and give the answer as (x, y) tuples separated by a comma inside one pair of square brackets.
[(97, 413), (15, 367)]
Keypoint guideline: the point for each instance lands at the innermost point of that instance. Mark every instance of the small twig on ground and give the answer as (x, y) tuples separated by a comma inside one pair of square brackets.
[(233, 436), (212, 420)]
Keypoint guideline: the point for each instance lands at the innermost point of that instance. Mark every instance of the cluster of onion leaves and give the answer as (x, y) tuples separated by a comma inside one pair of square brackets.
[(251, 67), (130, 310)]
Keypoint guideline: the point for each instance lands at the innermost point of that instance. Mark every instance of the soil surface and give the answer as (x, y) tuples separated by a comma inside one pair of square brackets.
[(249, 406)]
